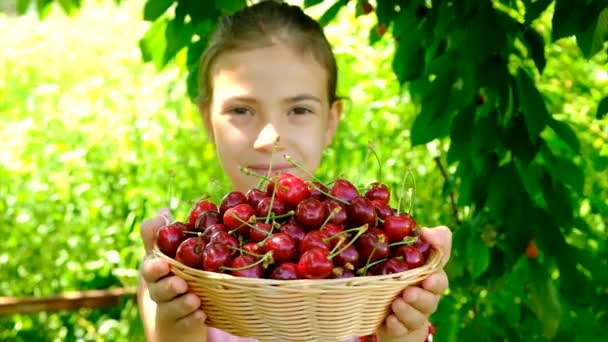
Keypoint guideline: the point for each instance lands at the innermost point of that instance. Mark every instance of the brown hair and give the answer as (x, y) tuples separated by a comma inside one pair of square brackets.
[(265, 24)]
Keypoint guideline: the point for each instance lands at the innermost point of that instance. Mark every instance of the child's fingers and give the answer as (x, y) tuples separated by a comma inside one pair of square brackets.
[(394, 327), (150, 227), (179, 307), (411, 318), (153, 269), (167, 288), (436, 283), (421, 300), (192, 320), (440, 238)]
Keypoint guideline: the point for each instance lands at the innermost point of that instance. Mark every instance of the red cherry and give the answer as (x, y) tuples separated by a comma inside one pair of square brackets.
[(373, 243), (315, 264), (209, 231), (283, 248), (285, 271), (422, 245), (241, 261), (225, 239), (206, 219), (381, 29), (190, 252), (394, 265), (317, 191), (311, 213), (367, 8), (344, 190), (215, 256), (252, 247), (313, 239), (291, 190), (398, 227), (169, 238), (255, 196), (231, 200), (340, 217), (261, 231), (294, 230), (331, 230), (200, 207), (411, 255), (379, 192), (340, 272), (531, 250), (278, 207), (361, 211), (382, 209), (349, 258), (243, 211)]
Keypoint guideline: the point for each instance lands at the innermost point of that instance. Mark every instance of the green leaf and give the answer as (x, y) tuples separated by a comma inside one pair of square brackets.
[(230, 6), (592, 39), (569, 18), (408, 61), (154, 44), (478, 255), (155, 8), (434, 119), (564, 170), (533, 105), (544, 299), (565, 132), (178, 35), (309, 3), (602, 108), (558, 200), (22, 6), (44, 8), (68, 6), (536, 48), (331, 12), (535, 9)]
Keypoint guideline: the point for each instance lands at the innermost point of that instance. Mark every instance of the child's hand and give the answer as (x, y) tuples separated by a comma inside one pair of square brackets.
[(174, 313), (409, 319)]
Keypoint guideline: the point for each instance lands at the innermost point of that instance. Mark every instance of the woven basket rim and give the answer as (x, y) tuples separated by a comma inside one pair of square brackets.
[(433, 264)]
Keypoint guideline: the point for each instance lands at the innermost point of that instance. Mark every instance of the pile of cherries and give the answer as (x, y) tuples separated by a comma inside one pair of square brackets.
[(295, 229)]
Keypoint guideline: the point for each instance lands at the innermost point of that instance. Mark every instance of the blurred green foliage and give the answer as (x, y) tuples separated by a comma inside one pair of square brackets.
[(90, 134)]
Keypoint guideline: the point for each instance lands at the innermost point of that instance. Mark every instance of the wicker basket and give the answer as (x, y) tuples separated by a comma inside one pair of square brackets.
[(298, 310)]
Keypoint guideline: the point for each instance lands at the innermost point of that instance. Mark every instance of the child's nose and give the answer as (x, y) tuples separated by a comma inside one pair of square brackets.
[(266, 139)]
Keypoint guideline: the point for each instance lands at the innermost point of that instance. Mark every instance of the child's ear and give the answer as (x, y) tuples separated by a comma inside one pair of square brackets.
[(204, 107), (335, 114)]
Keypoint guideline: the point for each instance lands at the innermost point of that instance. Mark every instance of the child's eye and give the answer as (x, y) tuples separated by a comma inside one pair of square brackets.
[(300, 111), (239, 110)]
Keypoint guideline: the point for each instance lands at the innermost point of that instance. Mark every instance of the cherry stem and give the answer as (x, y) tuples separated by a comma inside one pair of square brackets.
[(402, 190), (370, 146), (364, 269), (369, 258), (275, 145), (329, 195), (274, 191), (242, 221), (248, 172), (193, 233), (361, 229), (273, 216), (297, 165), (331, 215), (244, 251), (408, 240), (262, 259)]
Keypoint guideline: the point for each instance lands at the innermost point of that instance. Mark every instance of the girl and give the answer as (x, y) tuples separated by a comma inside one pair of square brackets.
[(268, 75)]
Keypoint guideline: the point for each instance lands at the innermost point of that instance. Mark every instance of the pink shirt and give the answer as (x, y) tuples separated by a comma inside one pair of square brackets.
[(216, 335)]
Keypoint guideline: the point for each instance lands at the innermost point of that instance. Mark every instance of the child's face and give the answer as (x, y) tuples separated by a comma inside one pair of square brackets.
[(260, 95)]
